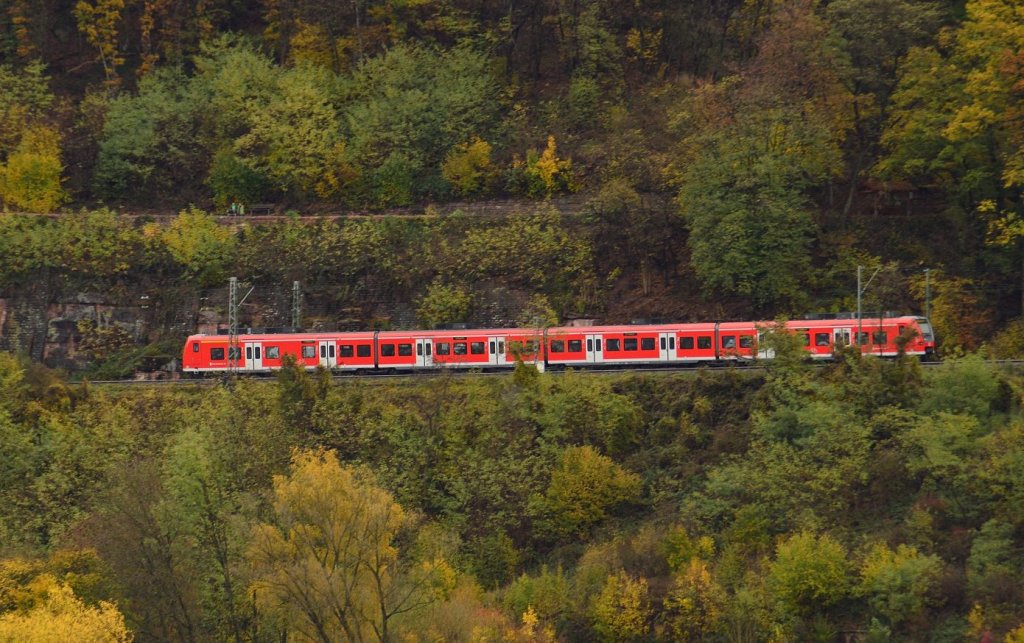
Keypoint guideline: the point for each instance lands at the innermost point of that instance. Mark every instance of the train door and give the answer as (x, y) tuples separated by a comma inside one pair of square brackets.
[(594, 353), (667, 347), (495, 358), (842, 338), (328, 357), (424, 353), (763, 352), (253, 356)]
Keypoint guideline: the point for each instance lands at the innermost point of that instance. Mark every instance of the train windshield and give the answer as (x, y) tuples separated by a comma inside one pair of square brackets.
[(926, 329)]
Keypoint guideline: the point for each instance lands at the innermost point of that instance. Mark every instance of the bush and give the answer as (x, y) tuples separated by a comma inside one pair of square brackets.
[(30, 180)]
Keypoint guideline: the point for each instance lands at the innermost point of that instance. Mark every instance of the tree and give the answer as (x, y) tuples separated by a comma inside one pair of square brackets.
[(99, 22), (149, 144), (25, 97), (410, 107), (750, 226), (328, 566), (584, 488), (622, 610), (31, 178), (897, 583), (202, 247), (467, 167), (62, 616), (809, 572), (294, 138), (443, 304), (202, 506), (695, 603)]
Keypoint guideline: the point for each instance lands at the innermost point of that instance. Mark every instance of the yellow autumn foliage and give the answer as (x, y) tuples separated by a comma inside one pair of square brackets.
[(62, 617)]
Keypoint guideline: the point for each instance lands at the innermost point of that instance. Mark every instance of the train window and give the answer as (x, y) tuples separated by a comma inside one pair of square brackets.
[(443, 348), (590, 345), (728, 341), (323, 351), (611, 345), (477, 348), (629, 344), (647, 344), (805, 338), (419, 349), (273, 352), (686, 343), (405, 350), (235, 352), (346, 350), (363, 351), (330, 351), (704, 342), (532, 347), (575, 345), (672, 343), (248, 352), (195, 347), (663, 343), (387, 350), (598, 344), (459, 348), (257, 352), (880, 337), (557, 346), (308, 351), (493, 352), (746, 341), (862, 338), (216, 353), (501, 348), (821, 339), (428, 348), (515, 347)]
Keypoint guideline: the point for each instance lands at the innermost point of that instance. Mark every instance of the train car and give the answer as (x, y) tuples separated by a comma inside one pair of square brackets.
[(560, 347), (265, 352), (874, 336)]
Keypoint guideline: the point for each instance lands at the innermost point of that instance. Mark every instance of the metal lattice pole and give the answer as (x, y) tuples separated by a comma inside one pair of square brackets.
[(233, 349), (296, 305)]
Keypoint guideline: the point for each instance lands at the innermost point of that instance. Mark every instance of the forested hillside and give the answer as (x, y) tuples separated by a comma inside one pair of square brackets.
[(791, 140), (520, 162), (870, 499)]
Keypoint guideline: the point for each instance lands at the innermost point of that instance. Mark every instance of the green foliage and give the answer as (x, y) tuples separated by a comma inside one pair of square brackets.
[(231, 179), (750, 229), (809, 572), (992, 563), (149, 141), (967, 385), (25, 97), (548, 594), (96, 243), (294, 137), (443, 304), (410, 106), (203, 248), (898, 583)]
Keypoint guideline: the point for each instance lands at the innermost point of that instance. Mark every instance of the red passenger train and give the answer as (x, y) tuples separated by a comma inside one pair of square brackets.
[(588, 346)]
